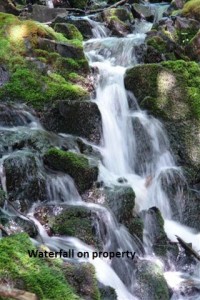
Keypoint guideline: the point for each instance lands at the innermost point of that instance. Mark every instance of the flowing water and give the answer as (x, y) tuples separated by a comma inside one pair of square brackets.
[(134, 146)]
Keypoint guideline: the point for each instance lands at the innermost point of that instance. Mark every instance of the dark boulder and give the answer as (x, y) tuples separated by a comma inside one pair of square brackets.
[(25, 182), (81, 118)]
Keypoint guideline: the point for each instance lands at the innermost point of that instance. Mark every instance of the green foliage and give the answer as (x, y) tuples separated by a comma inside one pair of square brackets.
[(34, 274)]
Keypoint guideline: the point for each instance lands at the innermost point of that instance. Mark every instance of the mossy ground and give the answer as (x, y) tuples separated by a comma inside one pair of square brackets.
[(35, 275), (28, 64)]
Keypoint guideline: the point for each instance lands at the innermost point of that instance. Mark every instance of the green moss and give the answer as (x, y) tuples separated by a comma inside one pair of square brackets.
[(33, 274), (70, 31), (76, 221), (36, 89), (158, 43), (170, 89), (75, 165), (192, 9)]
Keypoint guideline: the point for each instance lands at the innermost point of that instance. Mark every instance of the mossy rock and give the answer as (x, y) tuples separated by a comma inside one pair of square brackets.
[(169, 89), (121, 200), (76, 165), (83, 279), (151, 283), (76, 221), (113, 20), (154, 225), (70, 31), (32, 274), (191, 9)]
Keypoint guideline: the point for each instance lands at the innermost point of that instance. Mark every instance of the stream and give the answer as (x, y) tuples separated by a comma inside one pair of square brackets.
[(144, 163)]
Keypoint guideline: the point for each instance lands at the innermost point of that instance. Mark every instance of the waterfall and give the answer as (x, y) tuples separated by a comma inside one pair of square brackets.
[(134, 144)]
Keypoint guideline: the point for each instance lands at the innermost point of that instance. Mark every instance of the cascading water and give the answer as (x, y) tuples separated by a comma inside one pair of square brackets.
[(124, 154)]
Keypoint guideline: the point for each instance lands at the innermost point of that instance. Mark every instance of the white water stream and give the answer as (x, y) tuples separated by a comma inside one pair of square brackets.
[(121, 150)]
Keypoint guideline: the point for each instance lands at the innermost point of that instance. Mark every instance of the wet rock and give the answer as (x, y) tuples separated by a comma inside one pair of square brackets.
[(14, 115), (155, 234), (45, 14), (107, 293), (118, 21), (121, 200), (37, 140), (87, 149), (81, 276), (76, 221), (64, 49), (81, 118), (24, 180), (150, 283), (76, 165)]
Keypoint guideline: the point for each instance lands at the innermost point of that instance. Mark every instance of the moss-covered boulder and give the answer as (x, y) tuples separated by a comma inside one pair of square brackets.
[(118, 21), (38, 76), (35, 275), (76, 221), (76, 165), (121, 200), (82, 277), (171, 92), (154, 231), (25, 182), (172, 88), (192, 9), (151, 283), (70, 31), (80, 118)]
